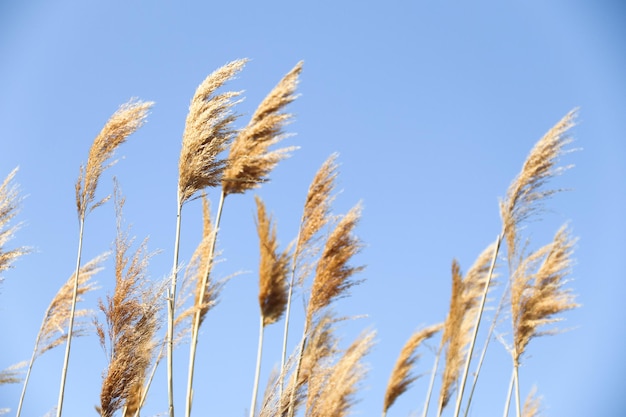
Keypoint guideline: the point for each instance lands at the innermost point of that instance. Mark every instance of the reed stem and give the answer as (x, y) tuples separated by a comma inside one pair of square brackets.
[(68, 344), (257, 372), (476, 325), (198, 313), (171, 303)]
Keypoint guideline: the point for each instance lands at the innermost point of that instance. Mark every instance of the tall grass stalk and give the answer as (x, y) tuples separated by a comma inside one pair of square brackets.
[(476, 326), (130, 117), (57, 316), (315, 216), (197, 317)]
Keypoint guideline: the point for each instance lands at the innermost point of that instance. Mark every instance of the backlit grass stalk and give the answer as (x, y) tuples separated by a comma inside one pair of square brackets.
[(526, 194), (537, 295), (248, 166), (9, 205), (314, 217), (273, 269), (57, 316), (132, 319), (481, 309), (208, 131), (402, 375), (332, 277), (130, 117)]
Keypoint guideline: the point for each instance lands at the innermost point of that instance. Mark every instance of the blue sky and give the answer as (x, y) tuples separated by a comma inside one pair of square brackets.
[(432, 108)]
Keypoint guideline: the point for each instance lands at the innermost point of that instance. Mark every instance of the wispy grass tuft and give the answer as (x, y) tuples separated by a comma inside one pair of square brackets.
[(250, 161), (527, 192), (124, 122), (208, 131), (9, 205), (402, 375), (132, 319)]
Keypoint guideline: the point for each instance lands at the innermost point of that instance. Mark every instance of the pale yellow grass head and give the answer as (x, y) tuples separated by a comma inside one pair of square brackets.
[(125, 121), (461, 319), (532, 404), (403, 374), (273, 268), (9, 205), (250, 161), (208, 131), (132, 316), (334, 387), (333, 275), (200, 266), (526, 192), (537, 293), (56, 318)]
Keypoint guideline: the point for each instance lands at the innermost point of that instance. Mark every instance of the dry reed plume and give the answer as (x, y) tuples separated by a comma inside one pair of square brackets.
[(333, 273), (537, 293), (333, 388), (56, 318), (132, 319), (525, 194), (249, 160), (124, 122), (208, 131), (532, 404), (402, 375), (9, 204), (273, 269), (199, 267), (461, 319)]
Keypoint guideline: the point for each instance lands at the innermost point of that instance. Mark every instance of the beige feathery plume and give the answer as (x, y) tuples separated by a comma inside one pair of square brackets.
[(317, 205), (250, 161), (532, 404), (401, 376), (132, 319), (334, 388), (461, 319), (55, 321), (525, 193), (333, 273), (125, 121), (9, 204), (11, 375), (537, 293), (273, 269), (198, 266), (52, 332), (207, 132)]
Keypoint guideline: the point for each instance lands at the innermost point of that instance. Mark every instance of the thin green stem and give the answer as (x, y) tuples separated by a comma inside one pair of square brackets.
[(433, 373), (492, 328), (198, 313), (517, 396), (257, 372), (30, 366), (507, 404), (171, 304), (292, 397), (283, 357), (476, 326), (70, 329)]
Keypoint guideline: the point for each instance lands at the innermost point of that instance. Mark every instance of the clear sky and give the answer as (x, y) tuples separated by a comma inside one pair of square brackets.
[(432, 108)]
